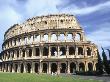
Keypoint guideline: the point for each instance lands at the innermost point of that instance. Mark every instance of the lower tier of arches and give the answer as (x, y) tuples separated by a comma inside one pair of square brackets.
[(48, 66)]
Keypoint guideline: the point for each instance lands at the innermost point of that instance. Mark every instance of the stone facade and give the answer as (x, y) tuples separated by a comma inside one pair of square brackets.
[(48, 44)]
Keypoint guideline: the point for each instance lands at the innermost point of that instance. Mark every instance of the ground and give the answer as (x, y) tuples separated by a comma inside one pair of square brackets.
[(25, 77)]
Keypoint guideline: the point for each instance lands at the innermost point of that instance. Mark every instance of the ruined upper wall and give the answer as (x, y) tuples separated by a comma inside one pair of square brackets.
[(60, 21)]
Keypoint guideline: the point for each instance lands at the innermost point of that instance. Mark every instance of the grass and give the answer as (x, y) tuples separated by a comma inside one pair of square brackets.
[(25, 77)]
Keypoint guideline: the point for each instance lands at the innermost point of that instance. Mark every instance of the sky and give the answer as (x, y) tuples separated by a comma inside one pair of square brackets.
[(93, 15)]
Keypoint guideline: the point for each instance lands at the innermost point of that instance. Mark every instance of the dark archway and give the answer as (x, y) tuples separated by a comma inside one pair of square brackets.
[(44, 70), (63, 68), (80, 51), (53, 67), (53, 50), (45, 51), (71, 51), (63, 51), (23, 51), (30, 52), (28, 67), (90, 67), (81, 67), (72, 67), (36, 67), (37, 52), (22, 68), (16, 67), (88, 51)]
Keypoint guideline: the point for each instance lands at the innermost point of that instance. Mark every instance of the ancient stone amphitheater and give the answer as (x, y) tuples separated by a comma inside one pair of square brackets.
[(48, 44)]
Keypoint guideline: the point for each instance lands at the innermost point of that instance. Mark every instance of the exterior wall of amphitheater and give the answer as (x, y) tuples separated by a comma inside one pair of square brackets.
[(46, 44)]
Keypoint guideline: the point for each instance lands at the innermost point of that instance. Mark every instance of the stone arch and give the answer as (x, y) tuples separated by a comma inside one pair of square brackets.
[(81, 67), (30, 52), (88, 51), (63, 68), (45, 51), (45, 37), (36, 67), (45, 66), (37, 51), (72, 67), (22, 68), (62, 51), (61, 37), (69, 36), (90, 66), (16, 67), (80, 51), (77, 37), (53, 37), (53, 51), (71, 50), (53, 67), (28, 68)]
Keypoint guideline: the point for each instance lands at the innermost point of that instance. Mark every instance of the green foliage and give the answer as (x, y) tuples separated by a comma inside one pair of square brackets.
[(27, 77), (105, 62), (99, 67)]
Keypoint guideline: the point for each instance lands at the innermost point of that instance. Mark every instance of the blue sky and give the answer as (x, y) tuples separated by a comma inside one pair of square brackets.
[(93, 15)]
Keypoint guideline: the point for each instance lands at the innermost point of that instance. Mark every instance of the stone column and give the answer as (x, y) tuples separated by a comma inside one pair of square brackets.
[(40, 67), (41, 51), (33, 51), (18, 70), (41, 36), (67, 51), (68, 68), (58, 52), (65, 34), (58, 69), (49, 52), (49, 67), (76, 52), (94, 66), (33, 67), (13, 67), (49, 37), (25, 67)]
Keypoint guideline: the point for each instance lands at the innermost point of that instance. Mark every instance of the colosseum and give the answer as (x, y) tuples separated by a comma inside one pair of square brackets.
[(48, 44)]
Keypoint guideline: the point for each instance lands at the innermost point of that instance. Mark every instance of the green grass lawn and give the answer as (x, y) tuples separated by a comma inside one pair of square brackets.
[(25, 77)]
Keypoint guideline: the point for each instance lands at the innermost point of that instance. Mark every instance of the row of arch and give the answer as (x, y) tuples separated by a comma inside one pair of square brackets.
[(54, 67), (54, 51), (43, 38)]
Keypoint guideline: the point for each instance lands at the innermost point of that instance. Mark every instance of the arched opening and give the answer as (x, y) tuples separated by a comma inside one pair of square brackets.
[(53, 51), (77, 37), (71, 51), (62, 51), (61, 37), (23, 51), (53, 68), (37, 38), (37, 52), (90, 67), (81, 67), (72, 67), (6, 67), (28, 67), (45, 38), (44, 70), (80, 51), (69, 36), (88, 51), (30, 52), (45, 51), (17, 53), (63, 68), (36, 67), (53, 37), (16, 67), (22, 68)]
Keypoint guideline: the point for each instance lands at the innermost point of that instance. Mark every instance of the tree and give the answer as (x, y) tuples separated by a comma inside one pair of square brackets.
[(109, 53), (99, 67), (105, 62)]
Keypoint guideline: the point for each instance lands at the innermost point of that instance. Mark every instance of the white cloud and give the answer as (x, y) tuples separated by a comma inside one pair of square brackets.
[(101, 36), (86, 10)]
